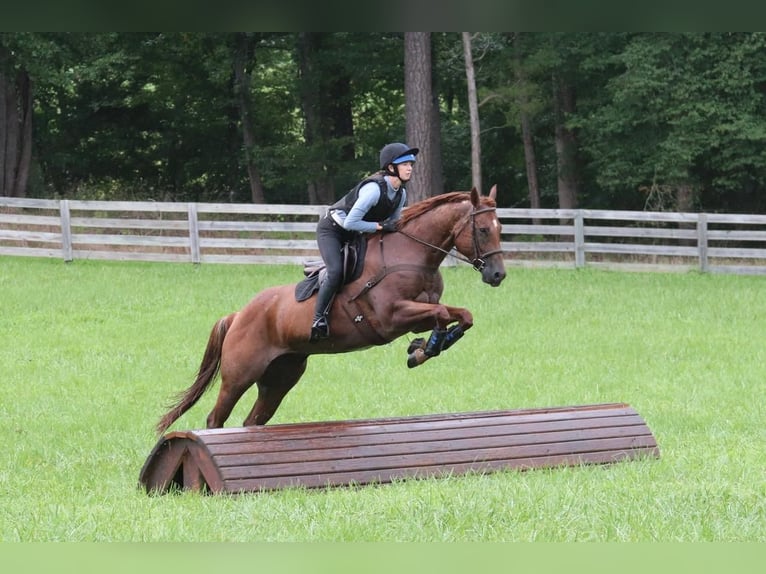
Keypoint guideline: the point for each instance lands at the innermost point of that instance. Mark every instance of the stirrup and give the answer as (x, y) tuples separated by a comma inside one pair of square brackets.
[(320, 329)]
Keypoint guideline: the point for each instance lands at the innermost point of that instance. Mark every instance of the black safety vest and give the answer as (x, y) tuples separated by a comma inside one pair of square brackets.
[(382, 210)]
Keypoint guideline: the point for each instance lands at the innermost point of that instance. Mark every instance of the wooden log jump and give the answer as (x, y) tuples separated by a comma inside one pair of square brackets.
[(324, 454)]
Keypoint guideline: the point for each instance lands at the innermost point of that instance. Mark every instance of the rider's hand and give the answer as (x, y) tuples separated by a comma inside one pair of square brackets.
[(388, 226)]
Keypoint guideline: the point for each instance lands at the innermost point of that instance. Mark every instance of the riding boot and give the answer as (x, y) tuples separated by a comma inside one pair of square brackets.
[(435, 342), (320, 328)]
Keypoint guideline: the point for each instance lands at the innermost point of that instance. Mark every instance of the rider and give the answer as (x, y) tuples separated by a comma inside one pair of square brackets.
[(374, 204)]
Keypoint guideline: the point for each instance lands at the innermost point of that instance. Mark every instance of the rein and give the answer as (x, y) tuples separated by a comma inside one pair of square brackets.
[(477, 263), (479, 260)]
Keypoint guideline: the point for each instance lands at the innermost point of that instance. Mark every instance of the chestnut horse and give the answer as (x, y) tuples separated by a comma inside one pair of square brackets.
[(398, 292)]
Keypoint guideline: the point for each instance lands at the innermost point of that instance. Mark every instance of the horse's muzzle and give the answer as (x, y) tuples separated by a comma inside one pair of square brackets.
[(493, 274)]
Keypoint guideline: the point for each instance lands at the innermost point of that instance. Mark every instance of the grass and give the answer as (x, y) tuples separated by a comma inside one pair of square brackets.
[(92, 351)]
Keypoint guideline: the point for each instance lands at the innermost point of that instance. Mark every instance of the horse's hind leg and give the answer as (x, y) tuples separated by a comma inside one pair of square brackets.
[(280, 376), (237, 376), (224, 404)]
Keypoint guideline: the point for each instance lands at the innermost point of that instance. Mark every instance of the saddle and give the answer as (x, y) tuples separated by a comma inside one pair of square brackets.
[(353, 253)]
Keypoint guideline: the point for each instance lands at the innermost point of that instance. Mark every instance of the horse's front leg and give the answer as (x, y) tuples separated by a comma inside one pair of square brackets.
[(418, 317), (440, 340)]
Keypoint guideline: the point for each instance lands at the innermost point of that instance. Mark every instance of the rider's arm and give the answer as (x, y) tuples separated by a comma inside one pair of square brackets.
[(398, 212), (369, 194)]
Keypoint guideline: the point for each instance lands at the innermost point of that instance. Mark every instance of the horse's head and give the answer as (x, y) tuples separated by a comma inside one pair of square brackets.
[(478, 238)]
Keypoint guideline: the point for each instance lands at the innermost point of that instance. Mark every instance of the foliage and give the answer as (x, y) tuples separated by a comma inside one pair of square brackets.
[(685, 109), (155, 116)]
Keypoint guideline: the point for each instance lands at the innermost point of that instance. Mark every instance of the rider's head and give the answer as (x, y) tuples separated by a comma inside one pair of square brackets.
[(393, 155)]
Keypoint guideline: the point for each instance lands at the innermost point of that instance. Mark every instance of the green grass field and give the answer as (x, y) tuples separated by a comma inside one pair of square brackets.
[(92, 351)]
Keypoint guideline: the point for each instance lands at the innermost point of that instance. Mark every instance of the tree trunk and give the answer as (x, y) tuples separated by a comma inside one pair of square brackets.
[(437, 167), (419, 114), (4, 92), (11, 139), (684, 198), (563, 100), (15, 133), (242, 54), (530, 160), (473, 111), (25, 158)]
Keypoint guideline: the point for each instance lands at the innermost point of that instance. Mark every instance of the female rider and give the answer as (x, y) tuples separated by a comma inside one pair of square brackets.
[(374, 204)]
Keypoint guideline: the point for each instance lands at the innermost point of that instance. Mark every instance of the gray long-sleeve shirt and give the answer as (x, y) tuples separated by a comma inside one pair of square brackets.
[(369, 194)]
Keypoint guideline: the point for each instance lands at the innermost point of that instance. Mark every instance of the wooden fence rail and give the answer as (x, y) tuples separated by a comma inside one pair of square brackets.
[(249, 233)]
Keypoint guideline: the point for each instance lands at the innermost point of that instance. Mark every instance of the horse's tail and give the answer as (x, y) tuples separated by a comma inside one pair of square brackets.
[(208, 369)]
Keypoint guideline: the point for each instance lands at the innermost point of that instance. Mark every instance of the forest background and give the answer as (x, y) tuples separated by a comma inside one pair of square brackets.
[(658, 121)]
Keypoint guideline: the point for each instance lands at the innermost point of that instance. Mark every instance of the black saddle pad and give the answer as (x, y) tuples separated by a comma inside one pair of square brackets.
[(353, 265), (307, 287)]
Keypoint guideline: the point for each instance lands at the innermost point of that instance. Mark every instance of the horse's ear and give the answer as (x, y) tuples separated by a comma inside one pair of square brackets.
[(493, 192), (475, 199)]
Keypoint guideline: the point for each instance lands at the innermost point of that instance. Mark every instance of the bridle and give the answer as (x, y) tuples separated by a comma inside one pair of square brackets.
[(478, 262), (479, 259)]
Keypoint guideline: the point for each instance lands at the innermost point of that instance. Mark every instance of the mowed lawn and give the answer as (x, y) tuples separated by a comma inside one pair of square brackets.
[(91, 352)]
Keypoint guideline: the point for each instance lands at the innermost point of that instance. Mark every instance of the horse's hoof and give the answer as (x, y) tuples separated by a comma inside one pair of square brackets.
[(418, 357), (415, 344)]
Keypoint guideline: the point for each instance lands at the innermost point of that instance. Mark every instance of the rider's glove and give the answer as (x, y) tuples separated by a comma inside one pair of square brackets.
[(388, 226)]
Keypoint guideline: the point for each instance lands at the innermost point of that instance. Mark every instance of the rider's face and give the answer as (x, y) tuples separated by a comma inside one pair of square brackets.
[(404, 170)]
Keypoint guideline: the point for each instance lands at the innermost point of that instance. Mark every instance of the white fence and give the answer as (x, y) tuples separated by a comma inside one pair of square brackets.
[(248, 233)]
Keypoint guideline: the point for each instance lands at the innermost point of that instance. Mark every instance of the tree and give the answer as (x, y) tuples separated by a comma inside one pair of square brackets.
[(566, 146), (563, 99), (243, 53), (606, 120), (684, 113), (325, 88), (19, 53), (421, 131), (473, 112), (525, 122), (15, 127)]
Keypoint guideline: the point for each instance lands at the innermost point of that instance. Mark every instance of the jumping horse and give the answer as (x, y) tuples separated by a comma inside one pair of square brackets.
[(398, 292)]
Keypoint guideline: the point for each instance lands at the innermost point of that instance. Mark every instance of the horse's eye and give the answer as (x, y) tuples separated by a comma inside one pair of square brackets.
[(484, 230)]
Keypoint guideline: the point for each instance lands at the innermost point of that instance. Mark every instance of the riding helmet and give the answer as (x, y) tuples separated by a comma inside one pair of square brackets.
[(397, 153)]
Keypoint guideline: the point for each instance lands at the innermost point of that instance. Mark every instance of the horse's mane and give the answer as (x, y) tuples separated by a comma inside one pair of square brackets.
[(417, 209)]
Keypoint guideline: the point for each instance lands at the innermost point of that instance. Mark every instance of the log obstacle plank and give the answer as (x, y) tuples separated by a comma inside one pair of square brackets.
[(338, 453)]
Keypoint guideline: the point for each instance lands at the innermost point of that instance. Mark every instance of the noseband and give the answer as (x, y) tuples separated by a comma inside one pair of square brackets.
[(479, 259)]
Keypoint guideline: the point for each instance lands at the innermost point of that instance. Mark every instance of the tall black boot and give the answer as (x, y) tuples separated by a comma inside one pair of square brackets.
[(320, 328)]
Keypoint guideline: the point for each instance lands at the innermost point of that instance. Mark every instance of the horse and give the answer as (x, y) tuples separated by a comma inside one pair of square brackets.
[(398, 292)]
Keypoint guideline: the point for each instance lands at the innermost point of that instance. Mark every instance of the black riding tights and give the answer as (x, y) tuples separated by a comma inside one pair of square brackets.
[(330, 238)]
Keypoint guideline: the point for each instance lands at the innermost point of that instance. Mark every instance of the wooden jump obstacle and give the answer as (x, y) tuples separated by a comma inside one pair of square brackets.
[(360, 452)]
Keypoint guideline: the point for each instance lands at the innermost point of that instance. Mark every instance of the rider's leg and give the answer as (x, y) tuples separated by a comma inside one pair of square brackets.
[(320, 328), (330, 242)]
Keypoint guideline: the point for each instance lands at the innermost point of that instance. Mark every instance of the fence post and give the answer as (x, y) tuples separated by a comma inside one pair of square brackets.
[(66, 230), (702, 241), (193, 233), (579, 239)]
